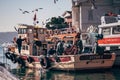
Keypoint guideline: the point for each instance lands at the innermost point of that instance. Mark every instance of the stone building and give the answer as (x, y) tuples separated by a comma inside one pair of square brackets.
[(83, 16)]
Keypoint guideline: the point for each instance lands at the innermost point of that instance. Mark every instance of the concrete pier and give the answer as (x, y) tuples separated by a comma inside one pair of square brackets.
[(5, 74)]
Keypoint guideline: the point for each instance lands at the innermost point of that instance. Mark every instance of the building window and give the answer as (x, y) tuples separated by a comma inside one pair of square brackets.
[(90, 15)]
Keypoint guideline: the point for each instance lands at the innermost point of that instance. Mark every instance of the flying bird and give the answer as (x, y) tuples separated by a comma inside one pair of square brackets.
[(55, 1), (37, 9), (24, 12)]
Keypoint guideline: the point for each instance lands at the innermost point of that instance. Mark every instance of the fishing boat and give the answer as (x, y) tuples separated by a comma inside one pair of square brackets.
[(38, 41)]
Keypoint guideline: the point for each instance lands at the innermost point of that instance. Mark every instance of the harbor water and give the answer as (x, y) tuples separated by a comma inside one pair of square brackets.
[(35, 74)]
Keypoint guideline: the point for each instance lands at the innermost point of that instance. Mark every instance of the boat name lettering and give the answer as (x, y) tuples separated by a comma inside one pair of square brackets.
[(91, 57)]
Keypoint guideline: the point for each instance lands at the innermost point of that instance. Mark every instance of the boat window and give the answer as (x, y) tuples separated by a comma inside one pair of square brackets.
[(41, 31), (23, 47), (22, 31), (30, 30), (26, 47), (106, 31), (70, 42), (114, 47), (116, 30)]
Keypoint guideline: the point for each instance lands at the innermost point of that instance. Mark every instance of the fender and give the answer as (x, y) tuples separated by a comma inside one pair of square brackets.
[(21, 61), (13, 58), (7, 55), (30, 59), (45, 62)]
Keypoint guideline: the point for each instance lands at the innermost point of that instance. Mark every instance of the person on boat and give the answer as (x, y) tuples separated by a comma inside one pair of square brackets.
[(36, 45), (51, 51), (79, 45), (60, 48), (19, 44)]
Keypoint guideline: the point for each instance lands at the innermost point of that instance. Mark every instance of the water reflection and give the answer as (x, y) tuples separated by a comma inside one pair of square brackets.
[(35, 74)]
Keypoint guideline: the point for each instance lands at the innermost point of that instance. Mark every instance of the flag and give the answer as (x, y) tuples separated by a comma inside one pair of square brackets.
[(34, 19)]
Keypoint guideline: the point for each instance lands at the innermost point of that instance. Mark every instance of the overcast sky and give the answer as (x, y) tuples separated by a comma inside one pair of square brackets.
[(10, 15)]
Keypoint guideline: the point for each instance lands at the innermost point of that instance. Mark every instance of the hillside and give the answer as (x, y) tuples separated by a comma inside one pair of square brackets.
[(7, 36)]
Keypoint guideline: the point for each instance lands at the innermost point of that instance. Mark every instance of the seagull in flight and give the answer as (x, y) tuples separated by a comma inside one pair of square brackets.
[(37, 9), (24, 12), (55, 1)]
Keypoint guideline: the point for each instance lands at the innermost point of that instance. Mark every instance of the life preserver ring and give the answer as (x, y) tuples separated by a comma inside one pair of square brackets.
[(21, 62), (45, 62), (30, 59), (7, 55), (13, 58)]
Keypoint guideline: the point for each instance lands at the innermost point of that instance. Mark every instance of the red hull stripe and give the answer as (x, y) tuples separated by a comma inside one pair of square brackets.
[(65, 59), (24, 57), (109, 41), (36, 59)]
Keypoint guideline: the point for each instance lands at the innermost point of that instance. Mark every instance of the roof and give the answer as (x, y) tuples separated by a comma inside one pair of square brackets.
[(67, 14)]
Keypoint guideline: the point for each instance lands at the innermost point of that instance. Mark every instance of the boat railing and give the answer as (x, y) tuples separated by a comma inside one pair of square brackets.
[(109, 19)]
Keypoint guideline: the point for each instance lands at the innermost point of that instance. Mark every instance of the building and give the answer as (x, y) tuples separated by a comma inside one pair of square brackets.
[(67, 15), (83, 16)]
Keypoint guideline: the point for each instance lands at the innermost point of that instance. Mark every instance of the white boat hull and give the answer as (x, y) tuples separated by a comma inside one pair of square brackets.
[(75, 63)]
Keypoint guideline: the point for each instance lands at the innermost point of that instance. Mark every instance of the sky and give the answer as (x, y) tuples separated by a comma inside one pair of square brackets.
[(10, 15)]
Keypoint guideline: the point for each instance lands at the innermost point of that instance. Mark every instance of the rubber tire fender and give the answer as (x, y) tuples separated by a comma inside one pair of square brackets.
[(21, 61), (13, 58), (7, 55), (30, 59), (45, 62)]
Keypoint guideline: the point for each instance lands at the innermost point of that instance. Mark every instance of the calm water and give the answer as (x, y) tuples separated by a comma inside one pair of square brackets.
[(34, 74)]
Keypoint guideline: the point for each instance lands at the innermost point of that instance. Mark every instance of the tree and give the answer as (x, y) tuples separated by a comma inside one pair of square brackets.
[(56, 23)]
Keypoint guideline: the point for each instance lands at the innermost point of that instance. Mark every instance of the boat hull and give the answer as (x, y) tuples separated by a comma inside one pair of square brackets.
[(82, 62), (68, 62)]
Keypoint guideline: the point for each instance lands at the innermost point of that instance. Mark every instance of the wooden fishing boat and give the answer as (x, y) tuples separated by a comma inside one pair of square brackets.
[(38, 41)]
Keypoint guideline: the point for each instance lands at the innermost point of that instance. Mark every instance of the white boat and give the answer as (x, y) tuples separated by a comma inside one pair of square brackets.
[(110, 28), (35, 56)]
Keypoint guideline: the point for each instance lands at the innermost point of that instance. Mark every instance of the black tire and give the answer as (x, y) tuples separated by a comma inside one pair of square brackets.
[(45, 62), (13, 58), (30, 59), (7, 55), (21, 62)]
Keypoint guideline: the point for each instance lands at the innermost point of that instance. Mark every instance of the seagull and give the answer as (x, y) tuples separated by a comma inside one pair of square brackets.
[(55, 1), (24, 12), (36, 9)]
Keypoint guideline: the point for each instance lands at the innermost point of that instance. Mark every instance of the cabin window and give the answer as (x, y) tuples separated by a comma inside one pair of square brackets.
[(116, 30), (70, 42), (114, 47), (22, 31), (25, 47), (30, 30), (106, 31), (41, 31)]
